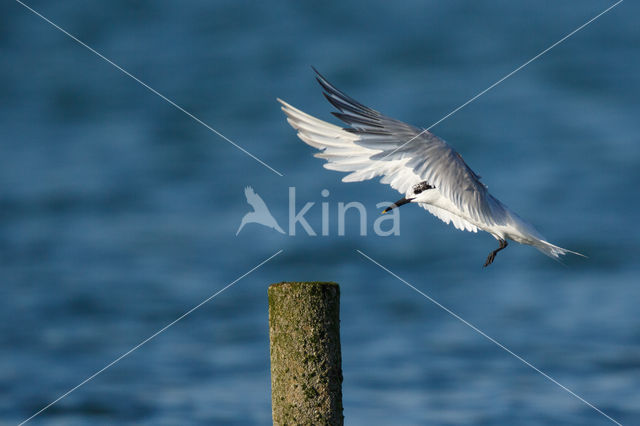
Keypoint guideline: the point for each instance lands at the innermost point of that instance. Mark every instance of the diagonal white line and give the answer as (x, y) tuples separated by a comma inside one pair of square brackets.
[(506, 76), (93, 376), (491, 339), (151, 89)]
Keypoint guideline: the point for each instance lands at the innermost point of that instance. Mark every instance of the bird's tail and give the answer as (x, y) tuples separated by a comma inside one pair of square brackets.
[(552, 250), (525, 233)]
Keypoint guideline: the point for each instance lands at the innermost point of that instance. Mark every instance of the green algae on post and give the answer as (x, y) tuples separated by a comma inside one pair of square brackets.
[(306, 366)]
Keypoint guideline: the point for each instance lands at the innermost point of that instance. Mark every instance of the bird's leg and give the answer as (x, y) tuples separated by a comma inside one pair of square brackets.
[(492, 255)]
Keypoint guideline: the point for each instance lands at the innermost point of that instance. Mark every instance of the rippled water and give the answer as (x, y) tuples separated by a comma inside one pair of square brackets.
[(118, 212)]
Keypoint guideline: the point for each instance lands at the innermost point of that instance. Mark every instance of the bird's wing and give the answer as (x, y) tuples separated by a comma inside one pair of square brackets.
[(448, 217), (339, 148), (376, 145), (254, 200)]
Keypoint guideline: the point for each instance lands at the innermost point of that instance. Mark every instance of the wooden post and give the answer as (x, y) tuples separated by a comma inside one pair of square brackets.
[(306, 366)]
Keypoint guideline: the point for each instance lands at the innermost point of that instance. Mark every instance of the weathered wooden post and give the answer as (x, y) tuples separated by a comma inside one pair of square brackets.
[(306, 366)]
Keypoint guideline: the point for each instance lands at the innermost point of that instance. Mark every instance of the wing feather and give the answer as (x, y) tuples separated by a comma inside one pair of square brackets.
[(447, 217)]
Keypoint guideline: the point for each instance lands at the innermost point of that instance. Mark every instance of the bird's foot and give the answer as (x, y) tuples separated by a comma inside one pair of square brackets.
[(490, 258), (492, 255)]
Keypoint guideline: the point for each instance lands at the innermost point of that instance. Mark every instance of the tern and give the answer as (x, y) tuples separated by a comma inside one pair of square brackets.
[(416, 163)]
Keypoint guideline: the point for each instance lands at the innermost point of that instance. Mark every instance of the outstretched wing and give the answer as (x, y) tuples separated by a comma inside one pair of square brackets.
[(376, 145)]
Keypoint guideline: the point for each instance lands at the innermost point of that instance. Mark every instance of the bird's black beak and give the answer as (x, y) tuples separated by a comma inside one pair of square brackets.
[(400, 202)]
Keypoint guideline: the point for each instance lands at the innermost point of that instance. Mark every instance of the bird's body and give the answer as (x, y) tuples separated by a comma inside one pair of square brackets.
[(415, 162)]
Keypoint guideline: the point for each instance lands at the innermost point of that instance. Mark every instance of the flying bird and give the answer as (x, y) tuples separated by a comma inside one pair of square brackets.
[(260, 213), (415, 162)]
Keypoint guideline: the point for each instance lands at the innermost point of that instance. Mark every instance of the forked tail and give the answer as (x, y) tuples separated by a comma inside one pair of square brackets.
[(525, 233), (553, 250)]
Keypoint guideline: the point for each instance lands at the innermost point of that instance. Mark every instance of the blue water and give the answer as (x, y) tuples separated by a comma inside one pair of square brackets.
[(118, 212)]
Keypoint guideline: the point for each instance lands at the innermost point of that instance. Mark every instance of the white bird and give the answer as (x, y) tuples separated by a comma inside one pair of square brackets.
[(260, 213), (415, 162)]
